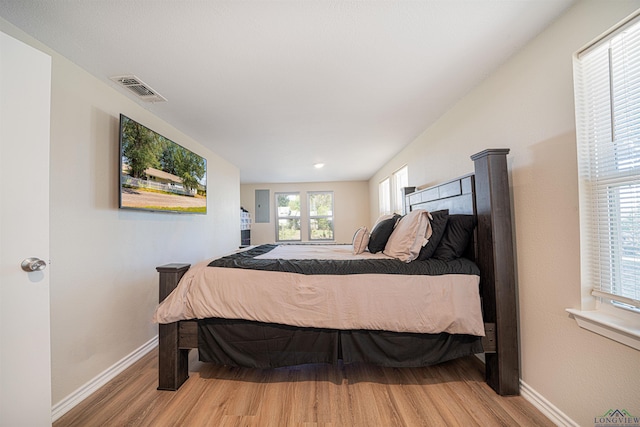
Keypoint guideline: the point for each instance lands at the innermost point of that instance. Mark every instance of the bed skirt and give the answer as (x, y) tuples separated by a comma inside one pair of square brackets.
[(252, 344)]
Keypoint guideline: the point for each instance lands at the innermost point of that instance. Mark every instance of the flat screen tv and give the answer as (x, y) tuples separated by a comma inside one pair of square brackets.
[(156, 174)]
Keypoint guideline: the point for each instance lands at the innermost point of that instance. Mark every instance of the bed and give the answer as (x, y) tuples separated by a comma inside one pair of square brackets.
[(333, 325)]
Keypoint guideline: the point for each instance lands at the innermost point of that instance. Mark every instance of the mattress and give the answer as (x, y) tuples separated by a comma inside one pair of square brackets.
[(326, 286)]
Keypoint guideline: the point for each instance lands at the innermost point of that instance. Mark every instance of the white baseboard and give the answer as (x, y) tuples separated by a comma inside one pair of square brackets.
[(69, 402), (556, 416)]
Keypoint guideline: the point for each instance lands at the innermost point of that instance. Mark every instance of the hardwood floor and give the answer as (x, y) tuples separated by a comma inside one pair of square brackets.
[(450, 394)]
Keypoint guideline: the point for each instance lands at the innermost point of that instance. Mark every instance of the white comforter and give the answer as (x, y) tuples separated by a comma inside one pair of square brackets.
[(392, 302)]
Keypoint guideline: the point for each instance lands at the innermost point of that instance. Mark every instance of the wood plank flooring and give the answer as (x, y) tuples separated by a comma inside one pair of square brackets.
[(450, 394)]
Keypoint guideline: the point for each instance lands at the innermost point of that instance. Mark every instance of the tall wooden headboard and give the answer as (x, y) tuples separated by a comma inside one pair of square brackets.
[(485, 193)]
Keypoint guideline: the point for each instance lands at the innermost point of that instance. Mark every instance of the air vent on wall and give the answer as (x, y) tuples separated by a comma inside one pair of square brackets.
[(139, 88)]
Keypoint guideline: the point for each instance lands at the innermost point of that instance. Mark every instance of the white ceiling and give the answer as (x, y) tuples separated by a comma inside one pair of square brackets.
[(276, 86)]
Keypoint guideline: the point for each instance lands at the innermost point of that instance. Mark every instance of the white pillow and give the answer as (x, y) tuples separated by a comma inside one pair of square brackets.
[(409, 236), (360, 240)]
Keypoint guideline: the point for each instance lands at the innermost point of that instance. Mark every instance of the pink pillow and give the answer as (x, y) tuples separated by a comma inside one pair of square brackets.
[(409, 236), (360, 240)]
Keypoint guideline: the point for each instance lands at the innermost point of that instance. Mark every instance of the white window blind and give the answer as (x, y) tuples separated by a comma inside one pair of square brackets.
[(400, 180), (607, 91), (384, 197)]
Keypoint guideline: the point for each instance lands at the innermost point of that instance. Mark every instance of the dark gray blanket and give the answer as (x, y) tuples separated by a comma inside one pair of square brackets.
[(433, 267)]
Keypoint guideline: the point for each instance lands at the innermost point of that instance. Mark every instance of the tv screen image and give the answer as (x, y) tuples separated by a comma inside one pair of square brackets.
[(156, 174)]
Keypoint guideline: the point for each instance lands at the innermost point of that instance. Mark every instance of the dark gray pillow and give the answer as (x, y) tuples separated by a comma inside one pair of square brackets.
[(456, 237), (438, 226), (380, 234)]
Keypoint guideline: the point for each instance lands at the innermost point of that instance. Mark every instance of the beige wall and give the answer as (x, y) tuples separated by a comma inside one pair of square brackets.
[(351, 206), (103, 282), (103, 278), (527, 105)]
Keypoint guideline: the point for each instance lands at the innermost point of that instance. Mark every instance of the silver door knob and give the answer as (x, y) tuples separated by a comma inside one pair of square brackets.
[(33, 264)]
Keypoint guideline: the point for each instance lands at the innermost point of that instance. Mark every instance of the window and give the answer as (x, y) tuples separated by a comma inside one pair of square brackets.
[(391, 199), (400, 180), (321, 215), (384, 197), (607, 92), (288, 216)]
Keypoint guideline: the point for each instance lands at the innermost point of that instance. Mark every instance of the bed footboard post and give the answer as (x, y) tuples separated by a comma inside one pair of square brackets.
[(497, 271), (173, 362)]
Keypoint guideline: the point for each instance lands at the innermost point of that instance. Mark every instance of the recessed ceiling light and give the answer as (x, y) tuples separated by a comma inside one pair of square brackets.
[(318, 165)]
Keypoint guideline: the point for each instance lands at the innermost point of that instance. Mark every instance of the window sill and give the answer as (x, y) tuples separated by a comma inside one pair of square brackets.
[(617, 328)]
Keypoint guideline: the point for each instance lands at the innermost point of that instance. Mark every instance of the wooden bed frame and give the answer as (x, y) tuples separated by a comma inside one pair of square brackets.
[(485, 194)]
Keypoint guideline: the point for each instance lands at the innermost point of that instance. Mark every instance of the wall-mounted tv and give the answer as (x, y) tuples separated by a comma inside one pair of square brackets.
[(156, 174)]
